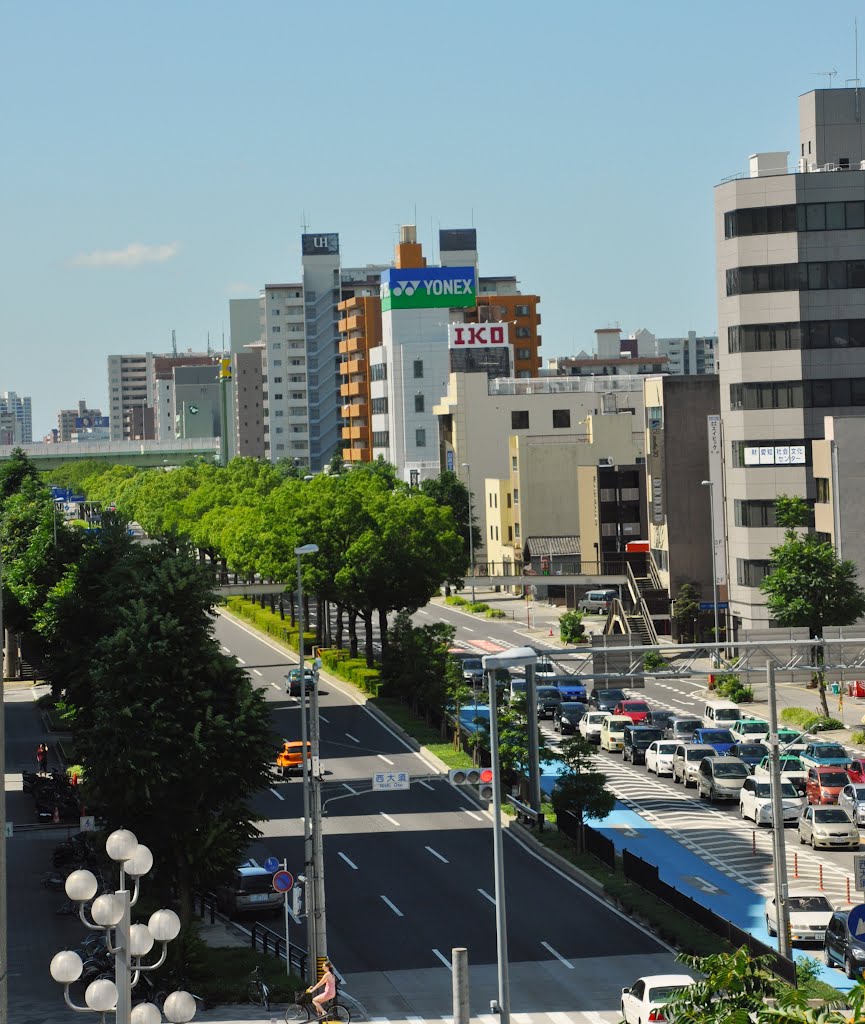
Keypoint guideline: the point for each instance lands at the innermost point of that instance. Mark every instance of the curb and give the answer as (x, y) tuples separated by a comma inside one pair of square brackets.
[(556, 860)]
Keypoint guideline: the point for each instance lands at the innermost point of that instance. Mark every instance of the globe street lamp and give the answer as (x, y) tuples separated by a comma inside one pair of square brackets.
[(516, 656), (110, 913)]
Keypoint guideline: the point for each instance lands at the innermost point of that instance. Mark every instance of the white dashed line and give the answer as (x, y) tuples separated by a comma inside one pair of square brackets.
[(255, 670), (278, 796), (353, 738), (472, 814), (321, 716), (239, 661), (396, 910), (444, 960), (487, 896), (386, 760), (393, 821), (350, 788), (350, 863), (558, 956), (276, 686), (444, 860)]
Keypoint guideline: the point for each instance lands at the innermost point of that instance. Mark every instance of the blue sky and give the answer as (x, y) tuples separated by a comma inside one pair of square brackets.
[(160, 158)]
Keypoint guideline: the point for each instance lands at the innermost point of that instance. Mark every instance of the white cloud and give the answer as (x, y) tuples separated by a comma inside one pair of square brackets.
[(134, 255)]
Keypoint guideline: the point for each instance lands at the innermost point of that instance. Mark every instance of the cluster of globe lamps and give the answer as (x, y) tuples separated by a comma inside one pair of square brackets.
[(128, 943)]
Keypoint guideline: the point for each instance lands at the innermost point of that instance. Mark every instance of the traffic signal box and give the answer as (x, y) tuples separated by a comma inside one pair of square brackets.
[(482, 778)]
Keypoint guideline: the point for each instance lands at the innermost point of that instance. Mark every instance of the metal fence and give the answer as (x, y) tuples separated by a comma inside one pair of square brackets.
[(594, 842)]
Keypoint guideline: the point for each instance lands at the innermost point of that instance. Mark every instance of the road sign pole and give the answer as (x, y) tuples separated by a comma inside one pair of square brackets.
[(287, 941), (504, 1001), (779, 861)]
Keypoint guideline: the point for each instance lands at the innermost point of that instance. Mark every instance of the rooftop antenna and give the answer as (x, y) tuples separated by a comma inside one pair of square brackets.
[(208, 342), (174, 343), (303, 221), (828, 74)]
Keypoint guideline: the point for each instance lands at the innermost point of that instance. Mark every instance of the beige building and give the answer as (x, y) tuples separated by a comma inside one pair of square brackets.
[(839, 479)]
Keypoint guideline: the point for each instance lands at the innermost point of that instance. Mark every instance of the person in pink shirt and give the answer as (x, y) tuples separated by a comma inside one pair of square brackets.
[(328, 983)]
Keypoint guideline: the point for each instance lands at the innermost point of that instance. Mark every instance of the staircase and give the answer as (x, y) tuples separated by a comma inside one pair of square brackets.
[(638, 627)]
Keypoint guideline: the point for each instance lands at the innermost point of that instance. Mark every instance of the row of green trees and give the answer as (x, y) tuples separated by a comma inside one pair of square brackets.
[(383, 547)]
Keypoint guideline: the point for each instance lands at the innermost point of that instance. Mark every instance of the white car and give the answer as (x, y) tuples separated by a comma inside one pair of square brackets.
[(613, 732), (750, 730), (642, 1000), (831, 827), (659, 757), (852, 799), (792, 771), (590, 725), (755, 801), (810, 914)]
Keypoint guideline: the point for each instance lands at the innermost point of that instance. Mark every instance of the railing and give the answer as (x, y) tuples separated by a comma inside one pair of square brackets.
[(654, 574), (527, 815), (632, 586), (273, 944), (643, 609), (578, 567)]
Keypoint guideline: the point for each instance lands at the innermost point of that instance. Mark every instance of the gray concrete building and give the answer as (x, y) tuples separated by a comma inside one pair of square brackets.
[(18, 416), (839, 487), (791, 322), (197, 401)]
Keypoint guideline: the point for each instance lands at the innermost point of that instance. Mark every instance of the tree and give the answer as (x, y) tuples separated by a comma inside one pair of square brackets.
[(14, 472), (808, 584), (513, 722), (730, 987), (571, 629), (581, 789), (686, 607), (448, 490), (417, 665)]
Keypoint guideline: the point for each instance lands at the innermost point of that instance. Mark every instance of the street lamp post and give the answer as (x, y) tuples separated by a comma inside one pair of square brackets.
[(515, 656), (316, 936), (468, 470), (129, 944), (711, 485)]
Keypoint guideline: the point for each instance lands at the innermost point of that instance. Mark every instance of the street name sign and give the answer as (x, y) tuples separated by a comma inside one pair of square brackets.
[(384, 782)]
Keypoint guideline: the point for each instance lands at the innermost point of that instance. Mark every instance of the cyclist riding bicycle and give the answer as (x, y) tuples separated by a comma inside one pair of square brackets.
[(328, 983)]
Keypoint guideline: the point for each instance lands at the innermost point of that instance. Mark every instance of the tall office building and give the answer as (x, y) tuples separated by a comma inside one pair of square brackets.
[(18, 416), (71, 421), (791, 318)]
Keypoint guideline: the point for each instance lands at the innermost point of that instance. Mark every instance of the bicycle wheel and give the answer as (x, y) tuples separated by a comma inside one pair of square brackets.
[(338, 1012), (253, 993), (295, 1011)]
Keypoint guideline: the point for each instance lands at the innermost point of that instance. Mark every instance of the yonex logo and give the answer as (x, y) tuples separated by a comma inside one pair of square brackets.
[(405, 288)]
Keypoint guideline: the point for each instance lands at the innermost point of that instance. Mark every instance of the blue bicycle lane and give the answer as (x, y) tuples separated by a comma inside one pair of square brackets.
[(682, 868)]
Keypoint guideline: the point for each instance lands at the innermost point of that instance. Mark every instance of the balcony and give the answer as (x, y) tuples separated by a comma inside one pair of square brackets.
[(349, 345), (355, 433), (355, 389), (351, 367), (356, 454), (355, 411)]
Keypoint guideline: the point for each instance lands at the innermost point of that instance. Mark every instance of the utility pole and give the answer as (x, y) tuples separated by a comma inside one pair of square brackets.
[(4, 943), (782, 912)]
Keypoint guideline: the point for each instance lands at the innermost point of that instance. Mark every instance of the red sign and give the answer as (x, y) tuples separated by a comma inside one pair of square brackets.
[(463, 335)]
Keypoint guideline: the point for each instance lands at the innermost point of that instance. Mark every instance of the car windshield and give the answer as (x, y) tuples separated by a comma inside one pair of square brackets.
[(610, 695), (546, 692), (662, 716), (811, 904), (789, 764), (859, 792), (687, 724), (731, 771), (829, 750), (635, 705), (752, 750), (833, 779), (764, 789), (695, 753), (473, 665), (666, 748), (518, 685), (572, 707), (597, 719), (716, 736), (830, 815), (752, 727), (663, 994), (645, 737)]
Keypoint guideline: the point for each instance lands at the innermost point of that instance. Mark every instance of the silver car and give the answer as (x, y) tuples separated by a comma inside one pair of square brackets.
[(852, 799), (831, 827), (686, 761), (721, 778)]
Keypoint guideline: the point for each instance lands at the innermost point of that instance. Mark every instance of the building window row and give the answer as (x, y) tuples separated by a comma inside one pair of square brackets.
[(751, 571), (748, 454), (378, 371), (805, 334), (796, 277), (799, 394), (418, 403), (420, 437), (379, 405), (380, 438), (759, 513), (771, 220)]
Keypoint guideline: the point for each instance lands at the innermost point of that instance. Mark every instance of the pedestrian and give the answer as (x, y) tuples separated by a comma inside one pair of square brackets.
[(40, 759), (47, 751)]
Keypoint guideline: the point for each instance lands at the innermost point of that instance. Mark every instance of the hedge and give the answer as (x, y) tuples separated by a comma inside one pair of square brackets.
[(456, 600), (809, 721), (353, 670), (270, 622)]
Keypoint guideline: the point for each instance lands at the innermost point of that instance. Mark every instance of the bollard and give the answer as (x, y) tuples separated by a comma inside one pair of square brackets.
[(754, 842), (795, 865), (820, 886), (848, 891)]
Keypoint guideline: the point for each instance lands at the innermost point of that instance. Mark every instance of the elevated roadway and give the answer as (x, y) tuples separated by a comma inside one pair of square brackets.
[(126, 453)]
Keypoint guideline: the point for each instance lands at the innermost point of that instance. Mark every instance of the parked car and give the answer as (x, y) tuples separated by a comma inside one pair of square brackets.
[(659, 757), (721, 778), (636, 742), (292, 680), (660, 717), (566, 717), (643, 1000), (810, 914), (755, 801), (590, 725), (686, 762), (636, 710), (841, 947), (791, 770), (597, 602), (250, 891), (682, 728), (570, 688), (613, 733), (852, 799), (856, 770), (473, 671), (751, 753), (826, 753), (831, 827), (750, 730), (788, 736), (823, 784), (606, 700), (720, 739), (548, 699)]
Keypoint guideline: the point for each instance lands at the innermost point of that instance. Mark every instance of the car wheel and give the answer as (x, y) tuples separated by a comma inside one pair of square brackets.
[(741, 811), (849, 969), (801, 840), (827, 958), (813, 847)]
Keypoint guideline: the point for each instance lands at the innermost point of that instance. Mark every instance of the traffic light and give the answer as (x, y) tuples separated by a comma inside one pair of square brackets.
[(485, 785), (297, 897), (464, 776)]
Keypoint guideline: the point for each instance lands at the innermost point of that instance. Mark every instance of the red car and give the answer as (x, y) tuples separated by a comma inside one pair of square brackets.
[(636, 710), (856, 771), (824, 783)]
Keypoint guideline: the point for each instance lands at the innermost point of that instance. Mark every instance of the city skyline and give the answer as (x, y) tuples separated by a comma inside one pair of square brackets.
[(168, 161)]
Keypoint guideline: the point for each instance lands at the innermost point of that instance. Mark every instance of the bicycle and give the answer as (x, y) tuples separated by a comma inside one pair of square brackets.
[(303, 1009), (257, 991)]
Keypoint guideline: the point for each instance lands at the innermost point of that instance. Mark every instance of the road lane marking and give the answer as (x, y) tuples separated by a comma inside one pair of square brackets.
[(592, 1017), (393, 821), (321, 716), (278, 796), (239, 661), (472, 814), (425, 785), (226, 649), (445, 961), (255, 670), (276, 686), (396, 910), (558, 956), (422, 612), (468, 629), (351, 864), (487, 896), (386, 760), (349, 788), (356, 740), (444, 860)]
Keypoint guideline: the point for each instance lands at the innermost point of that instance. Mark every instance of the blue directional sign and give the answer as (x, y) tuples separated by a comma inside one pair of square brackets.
[(707, 606), (271, 864), (282, 881), (856, 922)]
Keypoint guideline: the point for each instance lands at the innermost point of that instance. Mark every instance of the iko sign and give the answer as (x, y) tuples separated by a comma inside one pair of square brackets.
[(477, 335), (427, 288)]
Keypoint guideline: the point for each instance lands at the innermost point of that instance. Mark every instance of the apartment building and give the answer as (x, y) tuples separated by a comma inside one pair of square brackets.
[(17, 414), (69, 421), (790, 248)]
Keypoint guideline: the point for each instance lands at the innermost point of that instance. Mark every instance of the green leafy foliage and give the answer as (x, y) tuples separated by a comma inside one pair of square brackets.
[(729, 686), (686, 609), (581, 789), (810, 721), (653, 661), (416, 670), (729, 988), (571, 629)]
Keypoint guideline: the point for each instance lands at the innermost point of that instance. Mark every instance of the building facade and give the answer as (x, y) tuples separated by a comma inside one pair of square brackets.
[(17, 414), (70, 421)]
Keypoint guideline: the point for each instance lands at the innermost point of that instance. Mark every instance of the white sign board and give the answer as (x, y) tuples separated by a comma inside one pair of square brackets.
[(9, 829), (477, 335), (87, 823), (859, 872), (383, 782)]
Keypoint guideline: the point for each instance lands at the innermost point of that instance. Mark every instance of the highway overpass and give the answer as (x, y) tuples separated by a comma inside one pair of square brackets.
[(125, 453)]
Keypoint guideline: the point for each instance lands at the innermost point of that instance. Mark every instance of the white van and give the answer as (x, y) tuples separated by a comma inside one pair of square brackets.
[(720, 714)]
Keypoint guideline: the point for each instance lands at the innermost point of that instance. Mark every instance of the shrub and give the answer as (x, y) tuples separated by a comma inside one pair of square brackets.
[(571, 627), (729, 687), (858, 737), (476, 607), (495, 613), (809, 721), (456, 600), (652, 660)]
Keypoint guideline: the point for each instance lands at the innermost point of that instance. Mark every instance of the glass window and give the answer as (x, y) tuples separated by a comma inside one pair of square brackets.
[(418, 403), (856, 273), (818, 334), (855, 214), (817, 275), (789, 217), (856, 333), (815, 217), (519, 419), (420, 437), (524, 353), (857, 391), (837, 274), (773, 219), (838, 334), (821, 393), (418, 369), (834, 216), (561, 418), (822, 485), (841, 392)]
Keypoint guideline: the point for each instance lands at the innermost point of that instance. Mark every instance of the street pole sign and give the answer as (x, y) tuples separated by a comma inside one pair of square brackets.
[(271, 864), (384, 782), (859, 872), (283, 881), (856, 921)]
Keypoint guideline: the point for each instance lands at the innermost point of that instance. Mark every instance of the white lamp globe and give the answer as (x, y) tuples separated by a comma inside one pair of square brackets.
[(140, 940), (81, 886), (164, 925), (107, 910), (101, 995), (120, 845), (66, 966), (145, 1013), (140, 862), (179, 1007)]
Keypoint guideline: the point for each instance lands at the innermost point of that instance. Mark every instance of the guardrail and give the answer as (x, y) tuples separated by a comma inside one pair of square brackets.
[(273, 944), (527, 815)]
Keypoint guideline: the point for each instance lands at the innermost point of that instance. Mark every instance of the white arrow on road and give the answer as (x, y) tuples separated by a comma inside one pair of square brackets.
[(626, 830), (704, 885)]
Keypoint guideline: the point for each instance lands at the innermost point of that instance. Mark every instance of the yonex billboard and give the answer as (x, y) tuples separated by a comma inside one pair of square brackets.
[(427, 288)]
